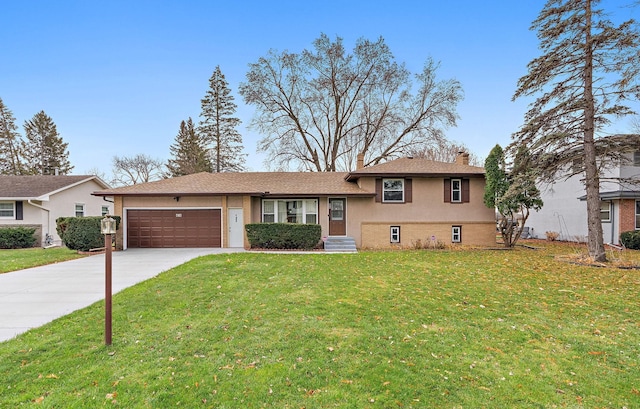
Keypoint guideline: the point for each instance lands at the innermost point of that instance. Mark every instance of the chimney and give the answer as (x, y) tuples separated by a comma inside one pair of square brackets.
[(360, 163), (462, 158)]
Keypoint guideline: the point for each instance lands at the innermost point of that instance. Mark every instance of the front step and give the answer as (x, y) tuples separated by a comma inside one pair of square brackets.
[(340, 244)]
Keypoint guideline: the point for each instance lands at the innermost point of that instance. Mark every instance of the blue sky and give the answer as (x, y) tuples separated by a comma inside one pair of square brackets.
[(117, 77)]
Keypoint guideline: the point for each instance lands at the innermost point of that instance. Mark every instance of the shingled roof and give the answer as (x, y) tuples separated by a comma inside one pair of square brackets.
[(245, 183), (416, 167), (38, 187)]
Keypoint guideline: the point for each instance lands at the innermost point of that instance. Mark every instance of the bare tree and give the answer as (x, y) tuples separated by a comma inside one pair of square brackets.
[(131, 170), (443, 150), (319, 109), (588, 69)]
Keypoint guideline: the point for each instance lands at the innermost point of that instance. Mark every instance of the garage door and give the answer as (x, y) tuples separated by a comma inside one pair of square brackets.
[(174, 228)]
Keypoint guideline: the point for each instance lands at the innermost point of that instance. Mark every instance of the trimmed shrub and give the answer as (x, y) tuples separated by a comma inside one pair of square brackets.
[(17, 237), (82, 233), (631, 239), (289, 236)]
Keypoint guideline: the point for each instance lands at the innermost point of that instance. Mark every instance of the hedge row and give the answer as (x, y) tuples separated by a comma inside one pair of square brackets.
[(82, 233), (284, 235), (631, 239), (17, 237)]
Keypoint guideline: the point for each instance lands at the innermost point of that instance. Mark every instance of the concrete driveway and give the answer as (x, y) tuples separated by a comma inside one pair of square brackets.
[(35, 296)]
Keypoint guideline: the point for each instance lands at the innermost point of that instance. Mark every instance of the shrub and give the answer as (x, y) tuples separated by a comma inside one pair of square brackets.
[(283, 235), (631, 239), (17, 237), (552, 235), (82, 233)]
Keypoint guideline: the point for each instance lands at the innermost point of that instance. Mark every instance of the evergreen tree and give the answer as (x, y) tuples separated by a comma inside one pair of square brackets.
[(10, 160), (189, 153), (44, 150), (218, 126), (588, 69)]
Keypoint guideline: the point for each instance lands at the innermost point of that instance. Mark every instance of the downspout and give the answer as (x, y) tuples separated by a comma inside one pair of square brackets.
[(614, 239), (48, 216)]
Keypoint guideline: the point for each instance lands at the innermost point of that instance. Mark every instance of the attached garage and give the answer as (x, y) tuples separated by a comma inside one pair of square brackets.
[(174, 228)]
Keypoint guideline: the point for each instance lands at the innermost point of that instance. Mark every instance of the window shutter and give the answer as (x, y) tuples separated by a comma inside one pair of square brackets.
[(19, 211), (447, 190), (465, 191), (378, 190), (408, 191)]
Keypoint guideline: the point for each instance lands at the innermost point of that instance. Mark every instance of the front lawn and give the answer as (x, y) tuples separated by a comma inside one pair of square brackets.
[(12, 260), (405, 329)]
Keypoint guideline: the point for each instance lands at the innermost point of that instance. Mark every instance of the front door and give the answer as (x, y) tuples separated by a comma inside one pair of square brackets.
[(337, 217), (235, 228)]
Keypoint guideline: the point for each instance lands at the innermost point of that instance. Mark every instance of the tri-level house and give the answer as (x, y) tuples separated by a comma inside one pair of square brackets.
[(37, 201), (565, 207), (391, 204)]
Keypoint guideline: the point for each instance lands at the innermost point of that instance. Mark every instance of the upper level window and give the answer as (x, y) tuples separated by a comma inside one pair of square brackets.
[(79, 209), (7, 210), (605, 211), (456, 190), (393, 190)]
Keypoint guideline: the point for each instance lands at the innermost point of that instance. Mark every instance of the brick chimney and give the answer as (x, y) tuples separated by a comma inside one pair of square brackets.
[(360, 163), (462, 158)]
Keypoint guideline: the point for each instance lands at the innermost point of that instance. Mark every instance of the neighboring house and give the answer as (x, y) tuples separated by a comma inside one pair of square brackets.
[(395, 203), (37, 201), (565, 206)]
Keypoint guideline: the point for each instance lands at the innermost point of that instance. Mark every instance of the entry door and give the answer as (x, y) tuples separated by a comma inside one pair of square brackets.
[(235, 228), (337, 217)]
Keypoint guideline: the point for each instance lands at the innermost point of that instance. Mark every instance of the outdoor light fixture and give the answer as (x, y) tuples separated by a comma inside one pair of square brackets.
[(107, 227)]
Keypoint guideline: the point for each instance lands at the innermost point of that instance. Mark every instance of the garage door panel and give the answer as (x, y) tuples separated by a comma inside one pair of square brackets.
[(174, 228)]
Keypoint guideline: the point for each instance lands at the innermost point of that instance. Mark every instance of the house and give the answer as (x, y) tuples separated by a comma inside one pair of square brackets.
[(391, 204), (37, 201), (565, 207)]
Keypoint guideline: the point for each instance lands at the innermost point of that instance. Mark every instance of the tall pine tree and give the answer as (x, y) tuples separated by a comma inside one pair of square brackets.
[(218, 126), (10, 160), (44, 150), (589, 68), (189, 152)]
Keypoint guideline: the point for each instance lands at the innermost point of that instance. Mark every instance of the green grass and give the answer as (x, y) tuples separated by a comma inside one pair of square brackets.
[(12, 260), (406, 329)]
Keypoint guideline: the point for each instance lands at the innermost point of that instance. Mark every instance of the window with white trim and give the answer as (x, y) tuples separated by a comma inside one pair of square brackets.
[(393, 190), (105, 210), (7, 210), (605, 211), (456, 234), (79, 209), (290, 211), (637, 214), (394, 233), (456, 190)]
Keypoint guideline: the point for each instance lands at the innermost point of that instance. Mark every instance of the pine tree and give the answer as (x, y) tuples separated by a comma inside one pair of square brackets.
[(189, 153), (10, 160), (44, 150), (218, 126), (588, 69)]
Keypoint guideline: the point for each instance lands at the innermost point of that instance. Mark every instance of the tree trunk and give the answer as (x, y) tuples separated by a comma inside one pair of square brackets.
[(592, 182)]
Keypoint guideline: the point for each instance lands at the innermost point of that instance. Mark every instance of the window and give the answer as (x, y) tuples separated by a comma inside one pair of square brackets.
[(605, 211), (456, 190), (636, 158), (290, 211), (105, 210), (7, 210), (637, 214), (268, 211), (456, 234), (393, 190), (394, 234), (79, 209)]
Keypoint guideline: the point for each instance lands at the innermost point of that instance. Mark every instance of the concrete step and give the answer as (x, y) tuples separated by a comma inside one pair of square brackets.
[(342, 244)]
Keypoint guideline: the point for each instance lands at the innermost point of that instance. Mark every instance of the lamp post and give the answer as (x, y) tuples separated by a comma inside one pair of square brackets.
[(107, 227)]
